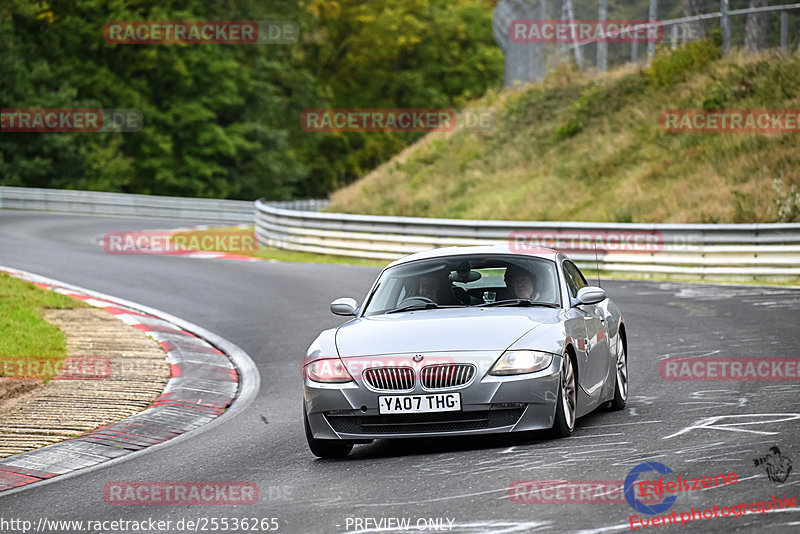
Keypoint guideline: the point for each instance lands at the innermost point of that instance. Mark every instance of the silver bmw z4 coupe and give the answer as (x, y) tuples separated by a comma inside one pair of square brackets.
[(465, 341)]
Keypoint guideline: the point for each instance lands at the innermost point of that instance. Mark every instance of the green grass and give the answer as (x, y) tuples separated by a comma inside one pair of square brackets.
[(590, 147), (23, 333)]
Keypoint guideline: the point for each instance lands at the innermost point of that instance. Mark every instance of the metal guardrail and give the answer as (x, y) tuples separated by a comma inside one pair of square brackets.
[(123, 204), (730, 251), (706, 250)]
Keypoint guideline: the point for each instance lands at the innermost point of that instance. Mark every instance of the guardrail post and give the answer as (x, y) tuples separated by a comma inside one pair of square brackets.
[(674, 42), (725, 21), (651, 45), (784, 31)]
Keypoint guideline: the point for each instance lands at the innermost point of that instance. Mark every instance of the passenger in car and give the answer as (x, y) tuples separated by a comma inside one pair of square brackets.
[(521, 284)]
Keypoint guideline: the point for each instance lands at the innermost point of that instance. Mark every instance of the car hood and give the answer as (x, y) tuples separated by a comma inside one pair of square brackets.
[(459, 329)]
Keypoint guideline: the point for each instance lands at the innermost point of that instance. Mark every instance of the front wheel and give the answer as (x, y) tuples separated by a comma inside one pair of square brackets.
[(567, 400), (325, 448), (621, 385)]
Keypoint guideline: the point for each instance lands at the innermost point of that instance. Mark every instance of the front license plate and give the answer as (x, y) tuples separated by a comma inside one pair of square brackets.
[(440, 402)]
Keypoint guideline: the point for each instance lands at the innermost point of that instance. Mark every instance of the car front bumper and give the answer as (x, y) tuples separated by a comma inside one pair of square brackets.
[(489, 404)]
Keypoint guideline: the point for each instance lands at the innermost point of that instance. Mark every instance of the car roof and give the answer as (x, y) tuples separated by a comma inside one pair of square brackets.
[(545, 253)]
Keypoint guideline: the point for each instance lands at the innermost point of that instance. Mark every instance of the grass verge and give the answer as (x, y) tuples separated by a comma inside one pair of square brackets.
[(24, 335)]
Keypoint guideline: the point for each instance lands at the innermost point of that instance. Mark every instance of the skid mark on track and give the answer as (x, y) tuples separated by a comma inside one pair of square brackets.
[(713, 423), (733, 397), (620, 424), (785, 303), (597, 436), (686, 353), (704, 405)]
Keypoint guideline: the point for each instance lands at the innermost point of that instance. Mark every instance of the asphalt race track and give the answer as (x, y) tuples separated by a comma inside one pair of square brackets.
[(274, 310)]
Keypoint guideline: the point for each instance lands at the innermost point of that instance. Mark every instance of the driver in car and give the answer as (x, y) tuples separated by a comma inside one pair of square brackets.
[(521, 284), (433, 287)]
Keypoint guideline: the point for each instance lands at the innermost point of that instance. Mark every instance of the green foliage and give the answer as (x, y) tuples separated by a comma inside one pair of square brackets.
[(595, 101), (674, 66), (224, 120), (405, 53)]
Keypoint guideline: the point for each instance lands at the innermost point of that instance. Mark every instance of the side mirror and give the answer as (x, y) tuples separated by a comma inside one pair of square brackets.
[(344, 306), (591, 295)]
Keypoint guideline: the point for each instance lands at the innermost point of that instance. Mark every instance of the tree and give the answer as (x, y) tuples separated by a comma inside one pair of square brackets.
[(693, 31), (224, 120), (756, 28)]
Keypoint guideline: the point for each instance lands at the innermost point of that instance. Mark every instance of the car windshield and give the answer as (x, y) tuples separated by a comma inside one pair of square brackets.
[(461, 281)]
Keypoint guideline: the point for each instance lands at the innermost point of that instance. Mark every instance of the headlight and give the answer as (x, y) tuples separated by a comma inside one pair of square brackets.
[(517, 362), (330, 371)]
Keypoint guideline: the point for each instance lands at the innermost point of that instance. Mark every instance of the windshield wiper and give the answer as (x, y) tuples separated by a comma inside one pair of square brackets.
[(525, 303), (425, 306), (410, 307)]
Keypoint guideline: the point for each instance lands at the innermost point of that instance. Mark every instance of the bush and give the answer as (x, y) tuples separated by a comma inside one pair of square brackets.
[(674, 66)]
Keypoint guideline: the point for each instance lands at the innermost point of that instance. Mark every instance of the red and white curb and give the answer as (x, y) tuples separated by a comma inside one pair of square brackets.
[(208, 374), (196, 254)]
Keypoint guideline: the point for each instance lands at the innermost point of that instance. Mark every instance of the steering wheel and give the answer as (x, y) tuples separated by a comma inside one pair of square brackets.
[(418, 297)]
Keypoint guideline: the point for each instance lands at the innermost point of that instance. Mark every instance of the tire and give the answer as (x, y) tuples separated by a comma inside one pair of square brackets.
[(566, 403), (325, 448), (620, 379)]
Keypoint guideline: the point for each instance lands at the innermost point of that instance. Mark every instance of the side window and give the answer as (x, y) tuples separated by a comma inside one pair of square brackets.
[(574, 278), (579, 278)]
